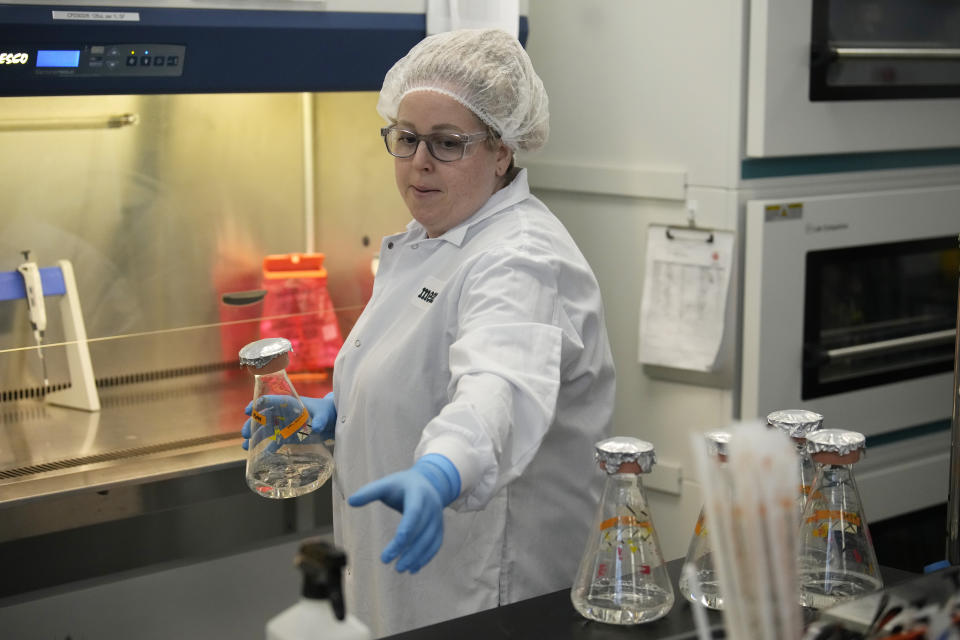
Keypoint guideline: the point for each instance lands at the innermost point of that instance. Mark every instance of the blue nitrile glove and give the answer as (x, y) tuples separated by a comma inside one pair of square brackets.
[(323, 417), (420, 493)]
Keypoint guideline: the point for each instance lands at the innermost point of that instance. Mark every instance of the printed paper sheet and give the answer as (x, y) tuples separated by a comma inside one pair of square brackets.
[(686, 283)]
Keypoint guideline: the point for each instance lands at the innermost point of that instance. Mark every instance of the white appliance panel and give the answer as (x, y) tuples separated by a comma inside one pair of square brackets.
[(782, 121), (773, 299)]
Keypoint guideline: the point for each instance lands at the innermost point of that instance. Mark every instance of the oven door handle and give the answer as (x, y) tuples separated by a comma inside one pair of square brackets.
[(896, 53), (873, 348)]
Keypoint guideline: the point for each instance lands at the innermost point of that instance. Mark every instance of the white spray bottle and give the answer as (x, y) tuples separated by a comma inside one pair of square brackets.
[(320, 613)]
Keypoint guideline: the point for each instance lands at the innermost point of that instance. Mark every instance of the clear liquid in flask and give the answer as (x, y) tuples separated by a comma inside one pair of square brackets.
[(616, 604), (289, 472)]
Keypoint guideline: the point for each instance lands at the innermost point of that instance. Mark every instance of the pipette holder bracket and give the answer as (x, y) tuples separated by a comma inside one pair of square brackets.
[(59, 281)]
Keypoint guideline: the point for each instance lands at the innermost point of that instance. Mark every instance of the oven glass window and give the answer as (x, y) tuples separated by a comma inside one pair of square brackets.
[(878, 49), (879, 314)]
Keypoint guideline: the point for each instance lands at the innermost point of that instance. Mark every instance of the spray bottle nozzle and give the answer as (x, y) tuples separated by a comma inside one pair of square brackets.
[(322, 566)]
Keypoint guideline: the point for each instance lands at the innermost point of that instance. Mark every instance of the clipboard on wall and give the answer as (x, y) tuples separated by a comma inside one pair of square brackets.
[(683, 308)]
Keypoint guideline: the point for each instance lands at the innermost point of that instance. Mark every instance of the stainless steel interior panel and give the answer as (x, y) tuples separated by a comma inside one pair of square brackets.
[(161, 217), (357, 200), (157, 218)]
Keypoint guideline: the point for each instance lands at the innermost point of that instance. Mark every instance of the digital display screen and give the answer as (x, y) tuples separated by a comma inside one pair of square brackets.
[(58, 58)]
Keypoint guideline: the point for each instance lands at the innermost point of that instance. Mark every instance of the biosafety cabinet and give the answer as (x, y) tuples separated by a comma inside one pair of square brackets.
[(153, 156), (825, 137)]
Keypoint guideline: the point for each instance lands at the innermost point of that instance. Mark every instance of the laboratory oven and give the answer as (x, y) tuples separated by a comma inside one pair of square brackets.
[(846, 76), (849, 309)]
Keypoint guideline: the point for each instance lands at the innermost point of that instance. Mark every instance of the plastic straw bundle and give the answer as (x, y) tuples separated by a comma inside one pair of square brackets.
[(752, 519)]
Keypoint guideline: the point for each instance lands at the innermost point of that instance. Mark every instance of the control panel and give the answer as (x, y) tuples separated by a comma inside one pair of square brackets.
[(110, 60), (54, 49)]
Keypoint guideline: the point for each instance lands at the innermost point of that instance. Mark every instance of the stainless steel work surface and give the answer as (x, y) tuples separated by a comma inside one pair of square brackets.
[(145, 432)]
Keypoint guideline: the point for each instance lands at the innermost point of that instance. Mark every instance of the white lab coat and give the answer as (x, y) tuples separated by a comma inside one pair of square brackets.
[(486, 345)]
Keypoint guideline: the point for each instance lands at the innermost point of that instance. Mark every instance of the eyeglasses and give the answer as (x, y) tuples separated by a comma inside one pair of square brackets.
[(445, 147)]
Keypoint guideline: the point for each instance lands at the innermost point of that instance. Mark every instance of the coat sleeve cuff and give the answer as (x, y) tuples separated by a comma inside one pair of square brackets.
[(473, 487)]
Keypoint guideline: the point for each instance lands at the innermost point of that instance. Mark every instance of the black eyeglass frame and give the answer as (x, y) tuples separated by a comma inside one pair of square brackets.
[(466, 138)]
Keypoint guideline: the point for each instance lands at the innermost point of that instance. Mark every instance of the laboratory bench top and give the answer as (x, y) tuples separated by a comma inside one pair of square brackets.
[(553, 616)]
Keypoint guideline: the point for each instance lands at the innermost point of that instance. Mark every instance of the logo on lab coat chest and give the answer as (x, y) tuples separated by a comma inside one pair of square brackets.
[(427, 293)]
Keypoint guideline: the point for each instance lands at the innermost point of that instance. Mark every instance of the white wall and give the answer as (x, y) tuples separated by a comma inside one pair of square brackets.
[(637, 83)]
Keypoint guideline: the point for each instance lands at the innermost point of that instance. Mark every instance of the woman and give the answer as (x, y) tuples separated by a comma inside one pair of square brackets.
[(468, 396)]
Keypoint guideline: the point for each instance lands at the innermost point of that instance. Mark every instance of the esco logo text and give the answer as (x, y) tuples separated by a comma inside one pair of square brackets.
[(7, 57)]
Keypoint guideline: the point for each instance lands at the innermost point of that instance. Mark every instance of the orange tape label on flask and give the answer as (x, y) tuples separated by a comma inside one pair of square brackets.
[(624, 521), (294, 426), (836, 515)]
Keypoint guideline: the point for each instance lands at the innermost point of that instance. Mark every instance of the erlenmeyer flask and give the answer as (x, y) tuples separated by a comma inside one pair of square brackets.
[(285, 458), (798, 424), (622, 578), (700, 552), (837, 559)]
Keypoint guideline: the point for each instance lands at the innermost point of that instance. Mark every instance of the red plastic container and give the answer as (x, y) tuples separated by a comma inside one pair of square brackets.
[(297, 307)]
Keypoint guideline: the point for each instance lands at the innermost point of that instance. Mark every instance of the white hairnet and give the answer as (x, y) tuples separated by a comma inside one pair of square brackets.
[(487, 71)]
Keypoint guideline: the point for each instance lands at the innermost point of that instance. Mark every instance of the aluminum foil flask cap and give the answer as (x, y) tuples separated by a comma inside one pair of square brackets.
[(718, 443), (845, 446), (623, 454), (259, 354), (322, 566), (796, 423)]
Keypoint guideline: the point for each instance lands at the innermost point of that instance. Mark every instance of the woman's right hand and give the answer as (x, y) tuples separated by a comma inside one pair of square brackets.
[(323, 416)]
